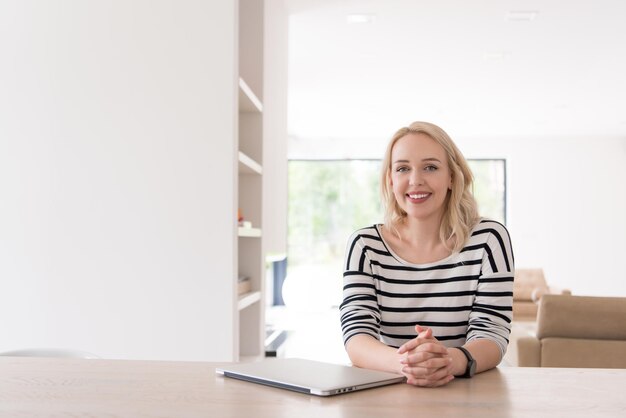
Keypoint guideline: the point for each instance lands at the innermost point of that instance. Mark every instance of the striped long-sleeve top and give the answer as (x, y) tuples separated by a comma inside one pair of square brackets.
[(465, 296)]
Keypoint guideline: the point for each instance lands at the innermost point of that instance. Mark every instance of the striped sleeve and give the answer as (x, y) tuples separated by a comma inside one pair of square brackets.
[(492, 311), (359, 310)]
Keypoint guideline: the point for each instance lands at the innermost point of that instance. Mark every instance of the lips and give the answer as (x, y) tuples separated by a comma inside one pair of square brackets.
[(418, 197)]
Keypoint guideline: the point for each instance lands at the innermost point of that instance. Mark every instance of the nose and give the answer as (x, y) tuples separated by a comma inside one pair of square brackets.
[(416, 178)]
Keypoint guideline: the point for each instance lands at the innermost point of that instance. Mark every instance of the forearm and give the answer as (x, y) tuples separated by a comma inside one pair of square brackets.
[(367, 352), (485, 352)]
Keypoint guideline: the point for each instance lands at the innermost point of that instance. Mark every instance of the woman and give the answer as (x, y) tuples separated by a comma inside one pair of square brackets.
[(429, 293)]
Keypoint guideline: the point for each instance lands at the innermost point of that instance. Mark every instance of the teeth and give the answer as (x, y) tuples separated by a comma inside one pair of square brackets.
[(417, 196)]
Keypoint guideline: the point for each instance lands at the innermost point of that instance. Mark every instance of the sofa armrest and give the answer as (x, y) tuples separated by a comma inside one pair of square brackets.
[(528, 352), (559, 291), (538, 292)]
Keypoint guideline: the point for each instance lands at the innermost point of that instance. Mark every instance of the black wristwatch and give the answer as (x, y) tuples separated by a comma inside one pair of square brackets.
[(470, 370)]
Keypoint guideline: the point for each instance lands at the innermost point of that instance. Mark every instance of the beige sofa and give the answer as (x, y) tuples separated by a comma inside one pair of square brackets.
[(528, 288), (576, 331)]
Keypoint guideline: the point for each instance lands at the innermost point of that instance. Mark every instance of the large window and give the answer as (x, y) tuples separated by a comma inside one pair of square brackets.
[(328, 200), (490, 187)]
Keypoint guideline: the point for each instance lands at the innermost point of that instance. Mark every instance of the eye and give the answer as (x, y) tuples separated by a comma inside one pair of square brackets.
[(431, 168), (402, 169)]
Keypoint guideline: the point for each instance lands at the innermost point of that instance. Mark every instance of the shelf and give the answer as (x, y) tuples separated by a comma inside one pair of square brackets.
[(248, 299), (275, 257), (248, 232), (248, 166), (248, 102)]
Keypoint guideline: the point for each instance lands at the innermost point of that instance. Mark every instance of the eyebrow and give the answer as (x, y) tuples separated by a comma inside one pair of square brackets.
[(424, 160)]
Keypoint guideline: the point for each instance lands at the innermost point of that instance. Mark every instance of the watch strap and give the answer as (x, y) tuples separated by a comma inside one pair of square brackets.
[(470, 362)]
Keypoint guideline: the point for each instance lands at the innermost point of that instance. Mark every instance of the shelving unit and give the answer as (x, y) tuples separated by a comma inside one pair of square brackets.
[(248, 101), (248, 232), (250, 253), (248, 299), (248, 166)]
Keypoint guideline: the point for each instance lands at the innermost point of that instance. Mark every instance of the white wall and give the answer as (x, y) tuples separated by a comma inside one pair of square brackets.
[(566, 202), (566, 206), (117, 121)]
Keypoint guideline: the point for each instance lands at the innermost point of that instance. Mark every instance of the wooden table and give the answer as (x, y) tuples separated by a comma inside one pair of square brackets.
[(37, 387)]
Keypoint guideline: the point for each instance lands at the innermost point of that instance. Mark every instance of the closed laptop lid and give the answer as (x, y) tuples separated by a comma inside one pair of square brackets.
[(308, 376)]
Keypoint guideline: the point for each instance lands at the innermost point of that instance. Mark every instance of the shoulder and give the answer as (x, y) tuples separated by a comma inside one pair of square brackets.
[(363, 239), (367, 233), (493, 235), (359, 245), (486, 227)]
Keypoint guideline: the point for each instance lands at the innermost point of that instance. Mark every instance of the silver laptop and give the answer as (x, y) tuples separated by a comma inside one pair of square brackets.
[(307, 376)]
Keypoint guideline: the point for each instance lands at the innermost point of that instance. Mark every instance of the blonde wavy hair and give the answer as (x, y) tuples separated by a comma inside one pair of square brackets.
[(460, 212)]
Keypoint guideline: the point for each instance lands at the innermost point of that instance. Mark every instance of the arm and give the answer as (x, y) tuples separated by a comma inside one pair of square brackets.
[(485, 352), (491, 315), (369, 353), (360, 315)]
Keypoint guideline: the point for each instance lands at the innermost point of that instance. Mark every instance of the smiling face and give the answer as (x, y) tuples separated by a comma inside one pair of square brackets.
[(420, 176)]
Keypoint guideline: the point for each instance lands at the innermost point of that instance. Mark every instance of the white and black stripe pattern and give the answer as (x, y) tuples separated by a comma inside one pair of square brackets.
[(466, 296)]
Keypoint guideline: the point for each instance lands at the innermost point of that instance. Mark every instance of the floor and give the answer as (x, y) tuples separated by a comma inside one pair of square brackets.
[(519, 329), (312, 334), (316, 335)]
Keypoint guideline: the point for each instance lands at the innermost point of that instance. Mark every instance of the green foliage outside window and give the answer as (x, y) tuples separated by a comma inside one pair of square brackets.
[(328, 200)]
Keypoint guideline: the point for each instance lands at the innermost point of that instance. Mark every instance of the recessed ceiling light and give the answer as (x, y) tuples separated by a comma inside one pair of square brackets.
[(356, 18), (521, 15)]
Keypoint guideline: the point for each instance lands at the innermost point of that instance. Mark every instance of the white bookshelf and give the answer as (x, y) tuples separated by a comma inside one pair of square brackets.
[(248, 101), (248, 232), (247, 299), (248, 166), (250, 252)]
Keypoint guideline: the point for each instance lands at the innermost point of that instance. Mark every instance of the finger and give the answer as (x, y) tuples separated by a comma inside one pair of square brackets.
[(435, 362), (426, 334), (424, 345), (426, 376), (410, 345), (439, 374), (422, 354), (423, 332), (420, 373), (417, 357), (428, 367), (439, 377), (431, 346), (430, 383)]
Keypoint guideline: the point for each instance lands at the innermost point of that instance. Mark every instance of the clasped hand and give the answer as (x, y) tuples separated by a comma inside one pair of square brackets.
[(425, 361)]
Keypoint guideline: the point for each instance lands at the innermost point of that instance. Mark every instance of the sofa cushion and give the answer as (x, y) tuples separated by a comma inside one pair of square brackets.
[(573, 352), (524, 310), (528, 352), (587, 317)]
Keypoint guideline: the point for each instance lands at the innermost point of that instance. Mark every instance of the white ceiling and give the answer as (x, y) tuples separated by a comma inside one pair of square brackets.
[(458, 63)]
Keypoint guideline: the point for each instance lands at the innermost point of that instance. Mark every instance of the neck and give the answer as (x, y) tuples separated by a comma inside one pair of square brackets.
[(420, 232)]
